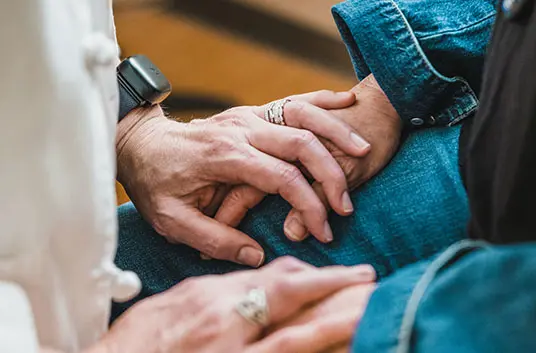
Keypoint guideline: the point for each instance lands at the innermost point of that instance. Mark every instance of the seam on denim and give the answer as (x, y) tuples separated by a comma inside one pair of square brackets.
[(466, 110), (429, 65), (408, 320), (461, 29), (421, 52), (464, 115)]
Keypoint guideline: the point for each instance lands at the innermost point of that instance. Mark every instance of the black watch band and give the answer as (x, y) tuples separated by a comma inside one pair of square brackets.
[(127, 101), (140, 84)]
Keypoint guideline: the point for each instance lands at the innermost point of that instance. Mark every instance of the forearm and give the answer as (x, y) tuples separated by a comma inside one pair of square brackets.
[(427, 57)]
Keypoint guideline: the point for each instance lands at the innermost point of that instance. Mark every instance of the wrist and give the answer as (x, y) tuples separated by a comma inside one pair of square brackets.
[(133, 130), (369, 88), (133, 121)]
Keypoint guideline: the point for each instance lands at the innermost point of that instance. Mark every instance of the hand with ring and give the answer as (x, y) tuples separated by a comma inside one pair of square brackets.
[(221, 313), (178, 174), (372, 116)]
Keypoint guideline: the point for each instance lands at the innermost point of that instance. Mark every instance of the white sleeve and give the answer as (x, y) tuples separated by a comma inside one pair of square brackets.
[(17, 68), (17, 328)]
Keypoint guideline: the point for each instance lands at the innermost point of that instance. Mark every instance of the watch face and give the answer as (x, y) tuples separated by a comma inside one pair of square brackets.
[(145, 79)]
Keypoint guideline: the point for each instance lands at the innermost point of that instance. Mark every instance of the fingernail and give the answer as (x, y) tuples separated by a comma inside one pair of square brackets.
[(366, 271), (347, 205), (250, 256), (359, 141), (328, 234), (294, 230)]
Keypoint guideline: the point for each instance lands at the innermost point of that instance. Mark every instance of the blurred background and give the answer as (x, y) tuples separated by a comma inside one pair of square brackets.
[(219, 54)]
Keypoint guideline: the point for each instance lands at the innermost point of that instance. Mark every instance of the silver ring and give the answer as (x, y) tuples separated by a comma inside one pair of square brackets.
[(254, 307), (274, 111)]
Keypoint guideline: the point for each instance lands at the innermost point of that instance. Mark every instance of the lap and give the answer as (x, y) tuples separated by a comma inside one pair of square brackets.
[(413, 209)]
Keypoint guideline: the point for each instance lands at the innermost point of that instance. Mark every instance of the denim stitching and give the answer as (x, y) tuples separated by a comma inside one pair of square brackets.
[(462, 29)]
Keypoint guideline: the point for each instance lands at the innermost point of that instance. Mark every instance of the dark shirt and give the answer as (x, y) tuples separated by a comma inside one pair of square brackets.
[(498, 154)]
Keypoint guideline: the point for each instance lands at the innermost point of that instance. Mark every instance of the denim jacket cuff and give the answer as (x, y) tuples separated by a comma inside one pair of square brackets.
[(388, 322), (381, 41)]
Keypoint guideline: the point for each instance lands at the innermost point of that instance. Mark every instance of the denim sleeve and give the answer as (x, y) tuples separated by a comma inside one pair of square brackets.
[(390, 315), (427, 55), (471, 298)]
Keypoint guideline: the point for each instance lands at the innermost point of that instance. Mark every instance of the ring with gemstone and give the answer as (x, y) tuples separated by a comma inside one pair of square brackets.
[(254, 307)]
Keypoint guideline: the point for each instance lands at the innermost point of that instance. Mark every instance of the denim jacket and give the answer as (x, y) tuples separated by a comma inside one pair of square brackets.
[(427, 55)]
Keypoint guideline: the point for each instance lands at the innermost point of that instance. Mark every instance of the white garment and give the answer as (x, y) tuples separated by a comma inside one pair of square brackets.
[(58, 110)]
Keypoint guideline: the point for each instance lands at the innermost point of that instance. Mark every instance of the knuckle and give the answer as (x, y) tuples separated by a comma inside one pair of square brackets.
[(213, 322), (304, 139), (162, 224), (281, 285), (295, 97), (235, 197), (325, 92), (197, 122), (336, 175), (189, 284), (286, 263), (234, 121), (233, 118), (212, 247), (222, 145), (294, 109), (287, 173), (195, 289), (285, 340)]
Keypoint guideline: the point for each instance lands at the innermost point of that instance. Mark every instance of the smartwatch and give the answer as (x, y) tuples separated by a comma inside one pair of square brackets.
[(141, 84)]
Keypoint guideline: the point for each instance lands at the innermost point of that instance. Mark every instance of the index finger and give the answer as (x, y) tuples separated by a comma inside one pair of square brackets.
[(276, 176), (312, 338), (288, 294), (215, 239)]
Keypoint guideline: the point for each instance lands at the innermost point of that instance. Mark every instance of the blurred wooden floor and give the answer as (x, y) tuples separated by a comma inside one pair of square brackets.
[(201, 59)]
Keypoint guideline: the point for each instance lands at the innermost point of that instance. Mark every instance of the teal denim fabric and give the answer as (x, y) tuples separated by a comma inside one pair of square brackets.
[(471, 298), (427, 55), (413, 209)]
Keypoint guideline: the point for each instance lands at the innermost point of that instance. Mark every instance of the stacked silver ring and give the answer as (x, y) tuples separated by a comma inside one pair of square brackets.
[(254, 307), (274, 111)]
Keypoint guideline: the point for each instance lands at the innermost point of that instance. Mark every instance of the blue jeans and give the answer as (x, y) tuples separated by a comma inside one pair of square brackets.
[(413, 209)]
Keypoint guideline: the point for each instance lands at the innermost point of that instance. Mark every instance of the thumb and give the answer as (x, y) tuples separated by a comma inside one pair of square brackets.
[(215, 239)]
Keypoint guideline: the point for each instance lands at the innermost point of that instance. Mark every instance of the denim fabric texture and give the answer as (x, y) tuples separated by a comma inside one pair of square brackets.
[(500, 315), (413, 209), (427, 55)]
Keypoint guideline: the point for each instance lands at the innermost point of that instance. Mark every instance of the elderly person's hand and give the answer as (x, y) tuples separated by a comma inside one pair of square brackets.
[(374, 118), (328, 326), (377, 121), (199, 315), (177, 174)]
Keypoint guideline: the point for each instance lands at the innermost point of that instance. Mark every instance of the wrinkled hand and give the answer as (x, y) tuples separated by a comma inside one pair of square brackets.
[(374, 118), (177, 174), (327, 326), (199, 314)]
